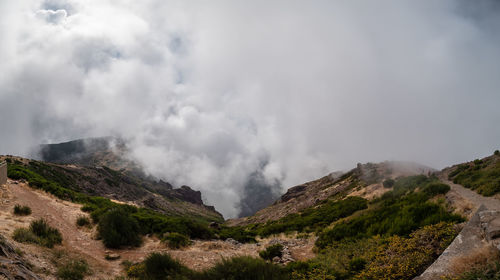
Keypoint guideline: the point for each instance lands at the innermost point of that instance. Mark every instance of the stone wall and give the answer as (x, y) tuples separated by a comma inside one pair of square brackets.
[(3, 173)]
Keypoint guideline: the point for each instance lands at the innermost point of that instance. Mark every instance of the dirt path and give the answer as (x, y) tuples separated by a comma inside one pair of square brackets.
[(476, 199)]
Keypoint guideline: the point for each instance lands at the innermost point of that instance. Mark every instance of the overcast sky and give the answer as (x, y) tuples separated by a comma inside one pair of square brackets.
[(211, 91)]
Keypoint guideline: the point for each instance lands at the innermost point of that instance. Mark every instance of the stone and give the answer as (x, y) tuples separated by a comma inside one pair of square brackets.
[(112, 257)]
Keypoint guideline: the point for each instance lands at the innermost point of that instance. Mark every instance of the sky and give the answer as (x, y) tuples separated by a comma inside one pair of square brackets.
[(210, 92)]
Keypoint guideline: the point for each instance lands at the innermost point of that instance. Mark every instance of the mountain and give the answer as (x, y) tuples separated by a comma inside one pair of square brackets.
[(102, 151), (105, 182)]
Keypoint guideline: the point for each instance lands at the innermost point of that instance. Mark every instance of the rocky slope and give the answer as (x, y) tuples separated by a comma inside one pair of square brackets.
[(364, 180), (120, 186)]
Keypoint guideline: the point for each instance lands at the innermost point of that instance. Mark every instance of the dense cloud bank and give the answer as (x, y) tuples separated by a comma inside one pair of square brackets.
[(210, 93)]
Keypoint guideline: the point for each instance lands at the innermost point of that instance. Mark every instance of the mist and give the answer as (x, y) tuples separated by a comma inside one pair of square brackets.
[(213, 94)]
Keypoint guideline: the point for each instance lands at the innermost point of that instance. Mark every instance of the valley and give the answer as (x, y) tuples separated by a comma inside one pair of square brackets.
[(376, 220)]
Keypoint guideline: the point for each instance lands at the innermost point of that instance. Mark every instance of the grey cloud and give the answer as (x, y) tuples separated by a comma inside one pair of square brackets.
[(211, 93), (52, 16)]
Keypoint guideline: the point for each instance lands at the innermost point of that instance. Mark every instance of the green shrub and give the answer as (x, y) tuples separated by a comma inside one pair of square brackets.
[(39, 233), (73, 270), (162, 266), (389, 183), (244, 268), (82, 221), (48, 236), (240, 234), (434, 189), (405, 258), (176, 240), (272, 251), (357, 264), (24, 235), (22, 210), (117, 228), (497, 153)]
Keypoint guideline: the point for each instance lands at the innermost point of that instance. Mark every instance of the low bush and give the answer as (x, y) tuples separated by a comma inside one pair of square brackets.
[(389, 183), (73, 270), (82, 221), (434, 189), (162, 266), (405, 258), (244, 268), (48, 236), (24, 235), (240, 234), (39, 233), (117, 228), (176, 240), (497, 153), (22, 210), (272, 251)]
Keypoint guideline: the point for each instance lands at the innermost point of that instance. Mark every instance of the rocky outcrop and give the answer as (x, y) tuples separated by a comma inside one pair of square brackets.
[(12, 265), (292, 192), (187, 194)]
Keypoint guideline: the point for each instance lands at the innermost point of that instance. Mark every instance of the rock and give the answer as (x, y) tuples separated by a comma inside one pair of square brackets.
[(293, 193), (13, 266), (276, 259), (233, 242), (112, 257), (214, 225)]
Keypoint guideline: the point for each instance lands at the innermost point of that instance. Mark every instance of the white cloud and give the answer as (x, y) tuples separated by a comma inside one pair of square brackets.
[(208, 91)]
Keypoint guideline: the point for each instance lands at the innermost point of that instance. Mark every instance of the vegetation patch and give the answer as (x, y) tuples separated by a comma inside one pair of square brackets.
[(117, 228), (244, 268), (377, 257), (22, 210), (73, 270), (82, 221), (314, 218), (39, 233), (398, 212), (483, 176), (176, 240)]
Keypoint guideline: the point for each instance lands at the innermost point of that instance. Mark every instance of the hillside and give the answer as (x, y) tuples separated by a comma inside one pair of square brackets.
[(388, 220), (365, 180), (105, 182), (480, 175)]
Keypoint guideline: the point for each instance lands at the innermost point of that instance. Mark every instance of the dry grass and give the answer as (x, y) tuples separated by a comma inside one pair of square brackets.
[(475, 260)]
